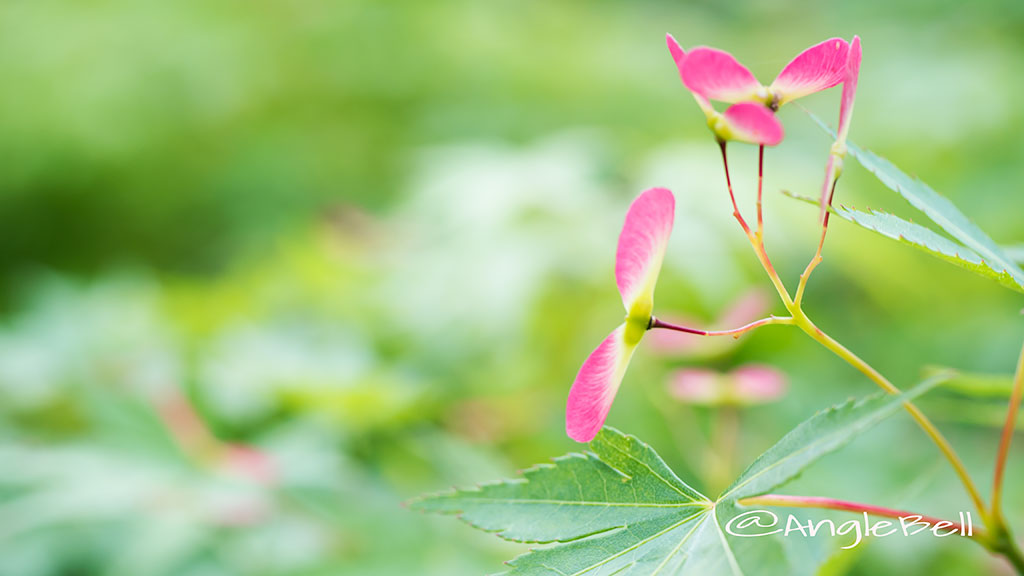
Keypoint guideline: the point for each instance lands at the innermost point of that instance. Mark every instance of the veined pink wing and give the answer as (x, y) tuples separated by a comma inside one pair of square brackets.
[(817, 68), (678, 56), (642, 248), (752, 122), (677, 51), (849, 90), (716, 75), (845, 114), (595, 386)]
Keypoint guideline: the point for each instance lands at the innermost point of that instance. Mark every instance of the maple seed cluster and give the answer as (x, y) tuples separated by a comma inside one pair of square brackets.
[(711, 75)]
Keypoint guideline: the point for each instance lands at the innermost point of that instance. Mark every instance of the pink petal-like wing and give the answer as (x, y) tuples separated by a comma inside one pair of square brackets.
[(750, 306), (696, 386), (678, 55), (845, 114), (849, 89), (817, 68), (595, 386), (677, 51), (752, 122), (757, 383), (642, 248), (716, 75)]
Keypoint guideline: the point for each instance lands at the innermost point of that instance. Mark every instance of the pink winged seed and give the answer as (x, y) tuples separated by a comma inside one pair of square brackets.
[(591, 395), (817, 68), (754, 123), (679, 56), (850, 77), (716, 75), (642, 244), (677, 51), (757, 383), (695, 385), (851, 74)]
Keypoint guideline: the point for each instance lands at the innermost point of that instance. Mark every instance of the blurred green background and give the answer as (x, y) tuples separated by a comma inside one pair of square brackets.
[(268, 269)]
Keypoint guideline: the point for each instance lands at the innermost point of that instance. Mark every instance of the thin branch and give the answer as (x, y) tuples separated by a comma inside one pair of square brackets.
[(760, 185), (817, 255), (929, 428), (1004, 442), (735, 332), (732, 196), (756, 241)]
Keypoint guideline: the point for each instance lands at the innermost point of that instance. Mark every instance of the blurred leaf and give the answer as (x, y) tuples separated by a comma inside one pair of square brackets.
[(620, 510), (996, 386), (924, 239), (986, 414)]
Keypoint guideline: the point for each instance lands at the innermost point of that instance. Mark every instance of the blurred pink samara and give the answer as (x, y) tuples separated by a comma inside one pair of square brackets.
[(746, 385), (712, 74), (638, 260)]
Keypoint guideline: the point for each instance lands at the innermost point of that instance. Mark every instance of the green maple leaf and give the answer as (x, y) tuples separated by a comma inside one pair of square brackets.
[(923, 239), (970, 248), (619, 509)]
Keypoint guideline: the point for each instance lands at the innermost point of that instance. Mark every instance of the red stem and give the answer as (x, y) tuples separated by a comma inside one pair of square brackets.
[(760, 181), (728, 182), (833, 504), (755, 240), (656, 323)]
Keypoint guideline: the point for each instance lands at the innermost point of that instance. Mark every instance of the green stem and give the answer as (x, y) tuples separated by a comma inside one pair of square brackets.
[(800, 319), (683, 439), (1013, 554), (757, 242), (726, 432), (1001, 540), (1003, 543), (799, 298), (805, 324)]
